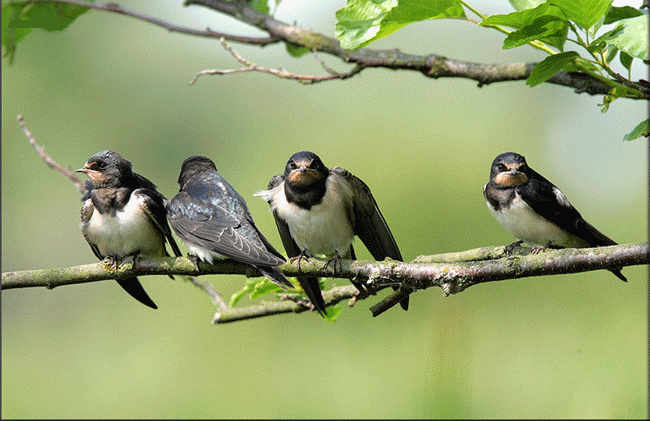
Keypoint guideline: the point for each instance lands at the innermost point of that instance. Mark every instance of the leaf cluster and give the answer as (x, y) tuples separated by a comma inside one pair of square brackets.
[(585, 25)]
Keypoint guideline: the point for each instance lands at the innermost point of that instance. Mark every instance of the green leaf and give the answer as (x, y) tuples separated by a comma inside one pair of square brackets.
[(550, 33), (611, 96), (520, 5), (545, 69), (261, 6), (296, 51), (617, 13), (642, 129), (248, 288), (630, 36), (48, 16), (611, 54), (361, 22), (263, 287), (598, 44), (585, 13), (626, 60), (256, 287), (521, 19), (18, 20), (11, 36), (545, 23), (332, 313)]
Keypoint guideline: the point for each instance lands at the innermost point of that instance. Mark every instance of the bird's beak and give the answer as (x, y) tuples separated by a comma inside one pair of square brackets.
[(83, 170)]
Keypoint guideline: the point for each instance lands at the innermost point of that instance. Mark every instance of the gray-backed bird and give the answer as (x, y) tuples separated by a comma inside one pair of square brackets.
[(535, 211), (318, 211), (215, 223), (123, 215)]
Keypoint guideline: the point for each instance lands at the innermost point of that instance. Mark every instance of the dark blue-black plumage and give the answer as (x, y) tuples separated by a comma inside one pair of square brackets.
[(215, 223)]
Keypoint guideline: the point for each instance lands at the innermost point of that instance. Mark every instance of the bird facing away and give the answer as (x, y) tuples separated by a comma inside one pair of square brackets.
[(215, 223), (318, 212), (123, 215), (535, 211)]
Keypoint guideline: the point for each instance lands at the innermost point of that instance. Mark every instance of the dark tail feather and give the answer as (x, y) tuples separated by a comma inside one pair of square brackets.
[(312, 288), (275, 275), (135, 289), (619, 275)]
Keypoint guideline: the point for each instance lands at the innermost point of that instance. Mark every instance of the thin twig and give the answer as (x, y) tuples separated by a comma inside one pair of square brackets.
[(47, 159), (331, 297), (282, 73), (207, 287)]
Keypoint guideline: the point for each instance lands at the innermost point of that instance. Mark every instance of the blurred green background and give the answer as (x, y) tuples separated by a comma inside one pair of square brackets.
[(572, 346)]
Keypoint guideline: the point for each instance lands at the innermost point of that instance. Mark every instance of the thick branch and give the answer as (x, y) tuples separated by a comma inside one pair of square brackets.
[(432, 65), (452, 277)]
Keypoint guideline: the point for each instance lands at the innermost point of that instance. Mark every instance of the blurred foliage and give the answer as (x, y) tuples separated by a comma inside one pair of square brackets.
[(553, 347)]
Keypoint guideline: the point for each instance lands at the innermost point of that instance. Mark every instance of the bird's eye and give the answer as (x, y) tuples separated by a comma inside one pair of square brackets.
[(501, 167), (292, 165), (101, 164)]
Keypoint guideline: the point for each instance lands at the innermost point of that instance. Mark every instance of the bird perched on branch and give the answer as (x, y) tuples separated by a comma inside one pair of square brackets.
[(215, 223), (535, 211), (123, 215), (318, 211)]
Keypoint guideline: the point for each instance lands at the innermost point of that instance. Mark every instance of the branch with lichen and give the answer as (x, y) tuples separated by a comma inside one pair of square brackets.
[(452, 276)]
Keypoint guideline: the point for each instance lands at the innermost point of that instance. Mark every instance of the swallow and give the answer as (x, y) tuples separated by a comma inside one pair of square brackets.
[(123, 215), (535, 211), (318, 212), (214, 222)]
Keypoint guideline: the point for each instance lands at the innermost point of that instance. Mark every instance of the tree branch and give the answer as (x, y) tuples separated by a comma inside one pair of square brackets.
[(432, 65), (46, 158), (452, 277)]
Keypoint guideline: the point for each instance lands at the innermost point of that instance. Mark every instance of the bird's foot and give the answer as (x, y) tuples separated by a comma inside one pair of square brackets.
[(549, 245), (510, 248), (302, 256), (135, 261), (112, 263), (195, 259), (335, 261)]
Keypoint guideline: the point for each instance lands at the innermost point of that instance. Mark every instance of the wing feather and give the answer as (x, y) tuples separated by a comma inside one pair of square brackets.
[(212, 227), (550, 203), (369, 224)]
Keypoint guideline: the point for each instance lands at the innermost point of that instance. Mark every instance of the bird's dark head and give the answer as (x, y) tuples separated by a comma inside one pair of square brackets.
[(107, 169), (192, 166), (304, 169), (509, 170)]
